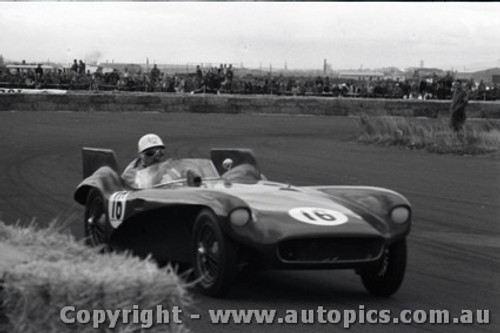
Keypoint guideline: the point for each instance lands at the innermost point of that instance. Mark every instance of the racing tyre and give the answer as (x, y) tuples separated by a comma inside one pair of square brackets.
[(214, 256), (96, 220), (385, 278)]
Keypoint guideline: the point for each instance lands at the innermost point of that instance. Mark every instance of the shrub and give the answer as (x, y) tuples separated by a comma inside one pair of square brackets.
[(434, 135)]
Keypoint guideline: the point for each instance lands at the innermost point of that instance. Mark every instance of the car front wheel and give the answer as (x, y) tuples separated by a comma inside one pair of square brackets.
[(96, 220), (214, 256), (385, 278)]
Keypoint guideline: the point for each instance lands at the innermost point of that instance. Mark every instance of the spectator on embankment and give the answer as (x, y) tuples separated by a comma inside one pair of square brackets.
[(457, 107)]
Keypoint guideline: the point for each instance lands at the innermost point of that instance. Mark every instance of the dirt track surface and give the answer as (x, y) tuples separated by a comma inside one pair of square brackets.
[(454, 246)]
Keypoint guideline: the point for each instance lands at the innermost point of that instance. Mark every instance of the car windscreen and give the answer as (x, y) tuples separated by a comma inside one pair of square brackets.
[(175, 171), (177, 168)]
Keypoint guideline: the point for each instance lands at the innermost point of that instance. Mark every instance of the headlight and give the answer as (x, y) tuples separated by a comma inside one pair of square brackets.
[(400, 214), (239, 217)]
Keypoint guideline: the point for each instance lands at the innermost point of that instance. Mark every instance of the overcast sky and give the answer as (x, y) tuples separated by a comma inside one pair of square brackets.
[(301, 34)]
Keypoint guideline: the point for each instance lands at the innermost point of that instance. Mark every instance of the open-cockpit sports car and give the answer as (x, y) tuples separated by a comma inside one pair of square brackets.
[(220, 215)]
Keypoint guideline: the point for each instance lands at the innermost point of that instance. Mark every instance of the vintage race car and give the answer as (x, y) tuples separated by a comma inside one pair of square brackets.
[(221, 215)]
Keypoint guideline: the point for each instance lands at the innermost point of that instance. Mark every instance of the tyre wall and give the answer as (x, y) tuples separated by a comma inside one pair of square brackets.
[(164, 102)]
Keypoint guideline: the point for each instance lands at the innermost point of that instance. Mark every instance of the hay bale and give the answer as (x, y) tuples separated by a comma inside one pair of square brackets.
[(61, 273)]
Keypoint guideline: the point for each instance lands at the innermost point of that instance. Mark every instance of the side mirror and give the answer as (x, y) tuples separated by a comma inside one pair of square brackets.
[(193, 179)]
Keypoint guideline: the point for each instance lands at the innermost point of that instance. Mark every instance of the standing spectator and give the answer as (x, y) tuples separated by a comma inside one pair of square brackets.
[(154, 77), (422, 87), (229, 78), (229, 72), (74, 67), (199, 77), (170, 84), (39, 72), (457, 108), (81, 67), (179, 84), (38, 76), (481, 90), (155, 74)]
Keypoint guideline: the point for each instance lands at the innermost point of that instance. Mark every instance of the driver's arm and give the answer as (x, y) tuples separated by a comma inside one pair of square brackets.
[(130, 172), (170, 175)]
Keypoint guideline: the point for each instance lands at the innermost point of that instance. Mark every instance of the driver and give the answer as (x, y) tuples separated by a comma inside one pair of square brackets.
[(151, 151)]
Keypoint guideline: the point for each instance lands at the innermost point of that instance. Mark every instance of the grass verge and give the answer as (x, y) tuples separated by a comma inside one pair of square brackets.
[(434, 135), (63, 272)]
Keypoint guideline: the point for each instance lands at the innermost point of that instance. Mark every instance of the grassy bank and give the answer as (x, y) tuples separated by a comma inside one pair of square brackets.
[(62, 272), (433, 135)]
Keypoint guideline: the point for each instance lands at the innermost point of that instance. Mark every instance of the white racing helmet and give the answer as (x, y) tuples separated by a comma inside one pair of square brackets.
[(149, 141)]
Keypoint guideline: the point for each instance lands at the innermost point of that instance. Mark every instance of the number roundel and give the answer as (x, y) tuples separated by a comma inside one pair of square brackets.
[(318, 216), (116, 208)]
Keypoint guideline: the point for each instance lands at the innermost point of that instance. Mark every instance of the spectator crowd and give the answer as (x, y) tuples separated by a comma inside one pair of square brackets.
[(224, 79)]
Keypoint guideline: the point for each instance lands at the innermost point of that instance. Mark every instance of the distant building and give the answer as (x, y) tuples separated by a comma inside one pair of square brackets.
[(488, 76), (13, 68), (360, 75), (394, 73), (131, 68), (426, 72)]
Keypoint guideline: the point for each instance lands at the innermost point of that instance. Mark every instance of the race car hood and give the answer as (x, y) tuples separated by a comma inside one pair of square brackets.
[(282, 212), (280, 197)]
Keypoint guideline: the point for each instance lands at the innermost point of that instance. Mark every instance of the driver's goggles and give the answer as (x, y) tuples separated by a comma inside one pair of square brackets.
[(153, 153)]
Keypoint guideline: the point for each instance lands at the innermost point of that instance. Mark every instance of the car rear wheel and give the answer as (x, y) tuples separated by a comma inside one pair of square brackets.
[(96, 220), (385, 278), (214, 256)]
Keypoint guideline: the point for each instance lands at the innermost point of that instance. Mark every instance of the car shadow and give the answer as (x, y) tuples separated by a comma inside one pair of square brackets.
[(295, 287)]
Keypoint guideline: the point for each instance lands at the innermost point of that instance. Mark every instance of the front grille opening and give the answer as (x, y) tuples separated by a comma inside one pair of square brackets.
[(332, 250)]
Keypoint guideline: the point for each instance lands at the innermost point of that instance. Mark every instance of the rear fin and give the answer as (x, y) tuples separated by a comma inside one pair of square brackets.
[(94, 158), (238, 157)]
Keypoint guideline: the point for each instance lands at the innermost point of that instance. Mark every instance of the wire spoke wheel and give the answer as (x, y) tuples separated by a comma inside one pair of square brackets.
[(95, 220), (385, 278), (208, 259), (214, 255)]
